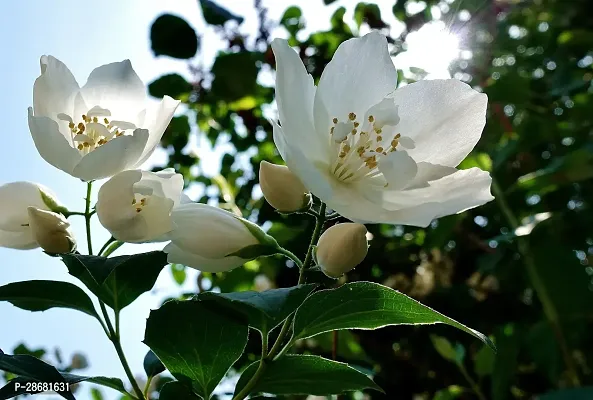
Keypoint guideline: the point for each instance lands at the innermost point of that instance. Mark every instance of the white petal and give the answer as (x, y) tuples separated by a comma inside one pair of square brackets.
[(161, 116), (445, 119), (209, 231), (18, 240), (157, 214), (114, 201), (166, 183), (359, 76), (311, 175), (295, 92), (398, 168), (51, 144), (427, 173), (97, 111), (115, 87), (114, 156), (178, 256), (55, 89), (15, 197), (384, 113)]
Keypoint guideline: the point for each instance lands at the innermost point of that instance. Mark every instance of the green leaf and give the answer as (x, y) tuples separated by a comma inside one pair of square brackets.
[(178, 273), (263, 310), (195, 343), (172, 36), (292, 20), (28, 368), (484, 362), (42, 295), (173, 85), (366, 305), (177, 391), (444, 348), (217, 15), (113, 383), (152, 365), (96, 394), (235, 76), (313, 375), (117, 281)]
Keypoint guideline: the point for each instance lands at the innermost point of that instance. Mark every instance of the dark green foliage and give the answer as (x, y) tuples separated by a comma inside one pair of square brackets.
[(533, 59), (172, 36)]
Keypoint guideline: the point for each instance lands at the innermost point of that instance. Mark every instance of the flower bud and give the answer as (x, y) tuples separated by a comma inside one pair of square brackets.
[(15, 197), (214, 240), (281, 188), (50, 230), (341, 248)]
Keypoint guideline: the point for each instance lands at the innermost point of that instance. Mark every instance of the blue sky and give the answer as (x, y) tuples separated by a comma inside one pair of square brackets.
[(85, 35)]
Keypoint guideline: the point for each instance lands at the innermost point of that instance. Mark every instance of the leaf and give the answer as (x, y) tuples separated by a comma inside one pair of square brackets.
[(263, 310), (235, 76), (152, 365), (177, 391), (28, 368), (117, 281), (113, 383), (292, 20), (508, 340), (217, 15), (313, 375), (444, 348), (96, 394), (41, 295), (172, 36), (178, 273), (173, 85), (366, 305), (484, 362), (195, 343)]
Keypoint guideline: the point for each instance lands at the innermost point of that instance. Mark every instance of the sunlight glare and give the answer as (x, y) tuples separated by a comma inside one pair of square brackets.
[(432, 48)]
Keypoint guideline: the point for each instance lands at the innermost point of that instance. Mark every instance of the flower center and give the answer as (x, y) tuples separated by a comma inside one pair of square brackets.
[(358, 144), (94, 129), (139, 202)]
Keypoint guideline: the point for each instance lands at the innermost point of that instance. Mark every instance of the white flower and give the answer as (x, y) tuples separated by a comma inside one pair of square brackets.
[(100, 129), (341, 248), (135, 206), (15, 198), (50, 230), (208, 238), (374, 154)]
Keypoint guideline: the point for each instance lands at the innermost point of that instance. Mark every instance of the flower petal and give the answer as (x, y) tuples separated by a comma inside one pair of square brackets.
[(116, 87), (179, 256), (166, 183), (115, 199), (15, 197), (115, 156), (452, 194), (359, 76), (162, 115), (398, 168), (444, 118), (295, 92), (18, 240), (310, 174), (427, 173), (51, 144), (55, 89)]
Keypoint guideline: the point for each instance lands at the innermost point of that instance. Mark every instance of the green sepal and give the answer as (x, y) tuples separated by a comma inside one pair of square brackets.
[(52, 204), (254, 251)]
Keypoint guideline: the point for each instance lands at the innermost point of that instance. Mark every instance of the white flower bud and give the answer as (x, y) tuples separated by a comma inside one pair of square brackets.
[(281, 188), (15, 197), (213, 240), (50, 230), (341, 248)]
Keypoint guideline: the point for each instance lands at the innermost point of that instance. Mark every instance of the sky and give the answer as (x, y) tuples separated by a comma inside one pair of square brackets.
[(85, 35)]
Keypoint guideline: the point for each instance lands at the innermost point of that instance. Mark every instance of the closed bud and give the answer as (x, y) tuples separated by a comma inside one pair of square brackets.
[(281, 188), (341, 248), (214, 240), (50, 230)]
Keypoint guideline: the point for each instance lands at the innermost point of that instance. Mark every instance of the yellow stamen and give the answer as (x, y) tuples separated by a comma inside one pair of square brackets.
[(351, 116)]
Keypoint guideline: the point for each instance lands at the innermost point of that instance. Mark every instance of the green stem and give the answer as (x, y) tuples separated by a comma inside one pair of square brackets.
[(538, 284), (267, 356), (107, 243), (70, 213), (114, 337), (475, 387), (88, 215), (263, 362), (292, 256), (147, 386)]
